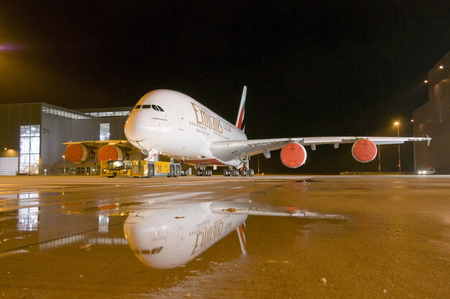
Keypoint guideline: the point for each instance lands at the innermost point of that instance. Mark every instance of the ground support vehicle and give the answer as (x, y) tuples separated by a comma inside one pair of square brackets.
[(140, 168), (115, 168), (144, 168)]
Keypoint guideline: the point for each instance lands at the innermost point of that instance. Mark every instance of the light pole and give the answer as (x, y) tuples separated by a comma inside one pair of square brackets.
[(379, 158), (398, 135), (64, 158)]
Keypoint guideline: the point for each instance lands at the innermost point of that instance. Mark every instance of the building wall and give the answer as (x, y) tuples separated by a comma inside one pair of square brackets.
[(433, 119), (12, 117), (57, 125), (62, 129), (54, 130)]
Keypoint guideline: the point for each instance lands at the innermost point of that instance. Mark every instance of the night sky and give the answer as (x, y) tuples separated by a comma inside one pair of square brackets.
[(313, 68)]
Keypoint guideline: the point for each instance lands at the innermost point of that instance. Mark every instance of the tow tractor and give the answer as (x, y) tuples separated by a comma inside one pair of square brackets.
[(140, 168)]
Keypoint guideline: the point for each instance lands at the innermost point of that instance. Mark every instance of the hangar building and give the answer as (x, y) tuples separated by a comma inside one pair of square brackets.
[(33, 133), (433, 119)]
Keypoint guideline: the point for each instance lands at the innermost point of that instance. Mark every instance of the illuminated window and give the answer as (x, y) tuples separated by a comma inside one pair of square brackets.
[(29, 149), (104, 131), (66, 114), (28, 217)]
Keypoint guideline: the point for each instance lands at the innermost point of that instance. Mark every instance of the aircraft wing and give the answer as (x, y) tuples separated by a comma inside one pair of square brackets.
[(254, 209), (99, 143), (236, 148)]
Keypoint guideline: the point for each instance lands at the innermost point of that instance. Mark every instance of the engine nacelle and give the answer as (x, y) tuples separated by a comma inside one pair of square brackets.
[(293, 155), (77, 153), (364, 150), (110, 152)]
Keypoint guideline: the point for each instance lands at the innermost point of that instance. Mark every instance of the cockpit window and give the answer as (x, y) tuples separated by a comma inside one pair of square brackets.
[(154, 107), (137, 107), (155, 250)]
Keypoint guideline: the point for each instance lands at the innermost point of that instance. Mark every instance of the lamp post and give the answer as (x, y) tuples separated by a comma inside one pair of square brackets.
[(398, 135), (64, 158), (379, 158)]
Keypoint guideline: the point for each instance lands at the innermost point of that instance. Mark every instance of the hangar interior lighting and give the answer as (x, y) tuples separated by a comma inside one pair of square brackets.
[(29, 149)]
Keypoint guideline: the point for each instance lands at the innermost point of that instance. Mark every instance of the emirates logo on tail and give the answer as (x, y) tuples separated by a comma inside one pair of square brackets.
[(240, 118)]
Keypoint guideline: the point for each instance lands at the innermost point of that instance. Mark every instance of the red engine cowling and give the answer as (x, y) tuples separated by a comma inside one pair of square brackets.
[(77, 153), (293, 155), (110, 152), (364, 150)]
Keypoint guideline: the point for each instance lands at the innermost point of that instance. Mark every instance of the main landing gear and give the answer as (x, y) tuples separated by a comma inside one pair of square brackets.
[(236, 172), (230, 171), (245, 169), (226, 172), (203, 172)]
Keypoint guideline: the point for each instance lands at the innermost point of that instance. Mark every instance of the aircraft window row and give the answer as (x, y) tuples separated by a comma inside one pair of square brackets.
[(154, 107)]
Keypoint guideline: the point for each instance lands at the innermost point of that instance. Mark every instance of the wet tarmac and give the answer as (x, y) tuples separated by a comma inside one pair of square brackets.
[(344, 237)]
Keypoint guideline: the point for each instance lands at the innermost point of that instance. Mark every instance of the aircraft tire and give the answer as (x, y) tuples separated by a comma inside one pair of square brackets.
[(177, 170), (226, 172), (251, 172), (171, 171), (198, 172), (150, 171), (235, 172)]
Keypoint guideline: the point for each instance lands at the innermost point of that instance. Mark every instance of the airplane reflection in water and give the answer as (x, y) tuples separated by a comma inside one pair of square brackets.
[(170, 238)]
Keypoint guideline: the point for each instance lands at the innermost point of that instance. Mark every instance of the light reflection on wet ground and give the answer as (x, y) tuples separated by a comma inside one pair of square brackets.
[(62, 237)]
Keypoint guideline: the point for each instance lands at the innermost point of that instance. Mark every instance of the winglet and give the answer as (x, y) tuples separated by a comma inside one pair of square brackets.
[(241, 113)]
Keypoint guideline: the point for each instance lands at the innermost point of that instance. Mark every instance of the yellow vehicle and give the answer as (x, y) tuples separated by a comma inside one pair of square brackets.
[(144, 168), (140, 168), (115, 168)]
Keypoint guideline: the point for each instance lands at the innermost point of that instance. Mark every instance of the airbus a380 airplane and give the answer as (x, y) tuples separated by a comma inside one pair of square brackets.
[(171, 123), (174, 124), (171, 237)]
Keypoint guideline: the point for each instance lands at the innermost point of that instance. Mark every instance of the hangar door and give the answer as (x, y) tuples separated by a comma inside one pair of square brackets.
[(9, 165), (29, 149)]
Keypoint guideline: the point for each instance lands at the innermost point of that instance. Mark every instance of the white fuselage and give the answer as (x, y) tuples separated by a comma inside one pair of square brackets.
[(178, 126), (171, 238)]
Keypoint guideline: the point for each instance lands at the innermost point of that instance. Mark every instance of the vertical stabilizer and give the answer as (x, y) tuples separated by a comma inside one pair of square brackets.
[(242, 240), (241, 113)]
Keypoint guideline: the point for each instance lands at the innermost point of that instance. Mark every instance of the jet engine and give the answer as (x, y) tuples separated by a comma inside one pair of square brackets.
[(110, 152), (78, 153), (293, 155), (364, 150)]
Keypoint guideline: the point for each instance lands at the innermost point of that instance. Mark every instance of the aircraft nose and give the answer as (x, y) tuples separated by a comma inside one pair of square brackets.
[(132, 124)]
